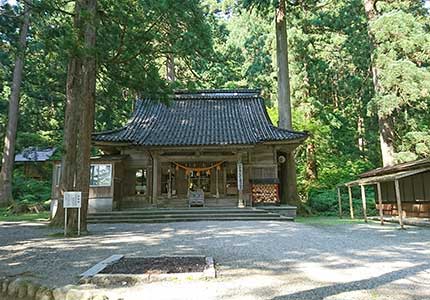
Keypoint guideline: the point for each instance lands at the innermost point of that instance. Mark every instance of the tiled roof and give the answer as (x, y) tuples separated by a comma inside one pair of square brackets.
[(209, 117), (34, 155)]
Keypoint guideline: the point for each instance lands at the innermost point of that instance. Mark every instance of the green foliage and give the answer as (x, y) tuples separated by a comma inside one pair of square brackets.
[(30, 191), (6, 216), (325, 202), (231, 44), (327, 221)]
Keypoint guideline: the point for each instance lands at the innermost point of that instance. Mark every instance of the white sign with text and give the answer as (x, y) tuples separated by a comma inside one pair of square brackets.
[(239, 176), (72, 199)]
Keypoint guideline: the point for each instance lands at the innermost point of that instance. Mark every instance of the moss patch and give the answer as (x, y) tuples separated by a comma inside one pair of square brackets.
[(327, 221), (8, 217)]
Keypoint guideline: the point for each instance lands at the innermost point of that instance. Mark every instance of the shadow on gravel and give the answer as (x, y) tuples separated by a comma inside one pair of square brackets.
[(365, 284)]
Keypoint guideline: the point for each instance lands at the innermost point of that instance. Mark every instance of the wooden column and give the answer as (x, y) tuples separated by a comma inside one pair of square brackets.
[(217, 182), (339, 197), (381, 211), (399, 203), (240, 180), (169, 184), (154, 178), (363, 200), (351, 208)]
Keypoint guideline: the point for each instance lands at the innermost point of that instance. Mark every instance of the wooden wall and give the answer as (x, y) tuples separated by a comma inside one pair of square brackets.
[(415, 195)]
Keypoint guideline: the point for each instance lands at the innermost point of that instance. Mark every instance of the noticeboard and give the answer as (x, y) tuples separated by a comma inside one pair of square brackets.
[(72, 199)]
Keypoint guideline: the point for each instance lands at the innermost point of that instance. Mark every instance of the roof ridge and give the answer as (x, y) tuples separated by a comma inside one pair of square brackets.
[(216, 91)]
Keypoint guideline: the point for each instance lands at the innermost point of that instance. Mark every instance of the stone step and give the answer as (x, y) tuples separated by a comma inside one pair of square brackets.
[(162, 211), (193, 218), (134, 216)]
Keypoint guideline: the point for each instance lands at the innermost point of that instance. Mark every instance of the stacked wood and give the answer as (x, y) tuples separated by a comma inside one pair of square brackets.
[(265, 193)]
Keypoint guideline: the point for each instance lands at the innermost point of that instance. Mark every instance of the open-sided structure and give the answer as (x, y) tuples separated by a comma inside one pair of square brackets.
[(402, 190), (205, 148)]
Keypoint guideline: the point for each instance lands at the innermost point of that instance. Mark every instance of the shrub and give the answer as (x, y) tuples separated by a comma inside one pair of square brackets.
[(30, 195)]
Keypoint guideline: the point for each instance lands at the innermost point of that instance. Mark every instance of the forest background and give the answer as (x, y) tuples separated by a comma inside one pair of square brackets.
[(228, 44)]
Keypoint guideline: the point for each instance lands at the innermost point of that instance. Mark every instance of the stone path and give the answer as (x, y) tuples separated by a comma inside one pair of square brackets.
[(255, 259)]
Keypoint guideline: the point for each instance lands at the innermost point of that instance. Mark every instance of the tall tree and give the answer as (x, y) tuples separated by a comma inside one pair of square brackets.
[(10, 138), (289, 180), (288, 169), (80, 106), (386, 131)]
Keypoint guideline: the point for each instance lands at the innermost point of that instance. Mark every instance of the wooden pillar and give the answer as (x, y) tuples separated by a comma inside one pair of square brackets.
[(154, 178), (217, 182), (381, 211), (399, 203), (363, 200), (224, 180), (169, 184), (339, 197), (351, 208), (240, 180)]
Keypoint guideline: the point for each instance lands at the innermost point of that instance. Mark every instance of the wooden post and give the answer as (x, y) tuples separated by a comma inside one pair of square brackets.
[(339, 197), (240, 180), (363, 199), (351, 208), (381, 211), (154, 178), (216, 181), (399, 203), (169, 184)]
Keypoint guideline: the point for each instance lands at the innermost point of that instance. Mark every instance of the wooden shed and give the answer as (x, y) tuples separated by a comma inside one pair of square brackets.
[(35, 161), (402, 190)]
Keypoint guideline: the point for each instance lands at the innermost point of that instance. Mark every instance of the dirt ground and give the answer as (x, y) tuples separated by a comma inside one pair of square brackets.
[(255, 259)]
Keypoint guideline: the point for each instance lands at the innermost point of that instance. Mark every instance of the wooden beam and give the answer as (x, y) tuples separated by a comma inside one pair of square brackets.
[(381, 211), (363, 200), (399, 203), (351, 208), (339, 197)]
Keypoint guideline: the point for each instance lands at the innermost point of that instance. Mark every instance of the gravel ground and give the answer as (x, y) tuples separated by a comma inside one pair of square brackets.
[(255, 260)]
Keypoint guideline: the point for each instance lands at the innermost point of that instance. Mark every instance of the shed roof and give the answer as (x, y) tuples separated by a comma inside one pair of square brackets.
[(391, 173), (410, 165), (386, 177), (34, 154), (207, 117)]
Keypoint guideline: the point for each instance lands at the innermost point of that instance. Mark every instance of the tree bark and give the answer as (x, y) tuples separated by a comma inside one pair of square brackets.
[(311, 162), (284, 102), (89, 73), (288, 169), (10, 138), (170, 68), (68, 162), (80, 107), (386, 132)]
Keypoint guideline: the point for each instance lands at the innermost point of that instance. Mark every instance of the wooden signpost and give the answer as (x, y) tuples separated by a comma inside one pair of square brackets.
[(72, 200)]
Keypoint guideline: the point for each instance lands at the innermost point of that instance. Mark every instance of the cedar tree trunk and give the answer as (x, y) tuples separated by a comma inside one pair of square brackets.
[(81, 86), (170, 68), (288, 175), (10, 138), (89, 73), (386, 132)]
